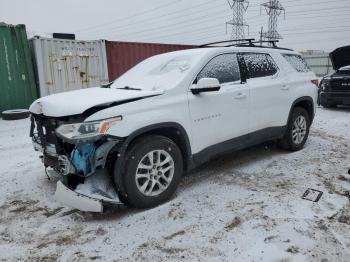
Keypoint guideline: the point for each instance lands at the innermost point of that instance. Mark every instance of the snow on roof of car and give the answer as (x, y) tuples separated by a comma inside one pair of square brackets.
[(214, 50), (166, 70)]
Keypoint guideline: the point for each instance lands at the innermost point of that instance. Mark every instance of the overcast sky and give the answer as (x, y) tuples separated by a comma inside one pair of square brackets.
[(308, 24)]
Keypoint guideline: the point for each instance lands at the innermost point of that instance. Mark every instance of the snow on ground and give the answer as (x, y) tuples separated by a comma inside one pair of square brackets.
[(245, 206)]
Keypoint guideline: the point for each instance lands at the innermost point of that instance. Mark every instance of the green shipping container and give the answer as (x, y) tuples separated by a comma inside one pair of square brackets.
[(17, 83)]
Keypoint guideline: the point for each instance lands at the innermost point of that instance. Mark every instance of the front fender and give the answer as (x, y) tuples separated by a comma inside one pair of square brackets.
[(122, 150)]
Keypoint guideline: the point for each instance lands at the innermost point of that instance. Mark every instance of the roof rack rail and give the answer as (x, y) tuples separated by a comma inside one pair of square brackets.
[(273, 42), (253, 43), (246, 40), (249, 42)]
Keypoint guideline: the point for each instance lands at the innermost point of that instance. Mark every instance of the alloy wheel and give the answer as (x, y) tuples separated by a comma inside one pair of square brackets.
[(299, 130), (154, 172)]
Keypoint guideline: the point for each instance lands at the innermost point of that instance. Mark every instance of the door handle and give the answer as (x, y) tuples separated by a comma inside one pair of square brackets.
[(285, 87), (241, 96)]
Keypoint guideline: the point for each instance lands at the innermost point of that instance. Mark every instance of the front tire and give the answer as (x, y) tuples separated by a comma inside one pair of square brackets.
[(297, 131), (154, 167)]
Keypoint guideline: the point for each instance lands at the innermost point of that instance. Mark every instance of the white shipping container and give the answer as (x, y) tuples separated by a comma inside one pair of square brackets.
[(64, 65)]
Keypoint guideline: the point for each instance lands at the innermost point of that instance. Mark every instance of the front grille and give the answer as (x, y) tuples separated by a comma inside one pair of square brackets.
[(336, 95), (340, 86)]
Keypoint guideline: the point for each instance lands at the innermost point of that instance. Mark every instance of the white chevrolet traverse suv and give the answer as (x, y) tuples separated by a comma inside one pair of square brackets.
[(130, 141)]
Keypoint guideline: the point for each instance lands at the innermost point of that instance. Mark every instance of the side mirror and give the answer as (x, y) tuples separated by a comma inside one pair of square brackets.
[(206, 85)]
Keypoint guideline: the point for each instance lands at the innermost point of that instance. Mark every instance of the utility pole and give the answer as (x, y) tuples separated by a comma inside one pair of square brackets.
[(239, 7), (274, 9), (261, 35)]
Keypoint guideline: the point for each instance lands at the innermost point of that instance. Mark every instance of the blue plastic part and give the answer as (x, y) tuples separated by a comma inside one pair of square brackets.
[(83, 159)]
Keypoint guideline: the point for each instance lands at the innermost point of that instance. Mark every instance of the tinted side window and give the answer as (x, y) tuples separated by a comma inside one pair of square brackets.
[(223, 67), (259, 65), (297, 62)]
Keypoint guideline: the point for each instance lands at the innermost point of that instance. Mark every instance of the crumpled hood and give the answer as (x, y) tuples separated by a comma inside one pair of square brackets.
[(78, 101), (340, 57)]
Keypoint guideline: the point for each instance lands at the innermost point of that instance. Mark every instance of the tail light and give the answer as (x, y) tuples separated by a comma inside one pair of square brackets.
[(315, 82)]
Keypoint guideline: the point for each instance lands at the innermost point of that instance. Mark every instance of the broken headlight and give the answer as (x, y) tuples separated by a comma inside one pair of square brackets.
[(86, 131)]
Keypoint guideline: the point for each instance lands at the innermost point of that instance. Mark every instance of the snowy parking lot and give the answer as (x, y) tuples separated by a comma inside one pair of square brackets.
[(246, 206)]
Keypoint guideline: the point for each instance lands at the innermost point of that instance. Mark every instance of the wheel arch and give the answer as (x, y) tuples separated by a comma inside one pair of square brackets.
[(305, 102), (171, 130)]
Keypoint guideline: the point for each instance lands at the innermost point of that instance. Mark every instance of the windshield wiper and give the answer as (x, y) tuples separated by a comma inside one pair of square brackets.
[(107, 85), (130, 88)]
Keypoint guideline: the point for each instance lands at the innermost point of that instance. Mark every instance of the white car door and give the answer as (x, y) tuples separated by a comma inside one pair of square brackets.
[(221, 115), (269, 93)]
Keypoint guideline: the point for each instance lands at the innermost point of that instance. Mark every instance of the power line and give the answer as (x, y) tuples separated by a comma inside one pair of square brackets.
[(216, 35), (191, 31), (136, 14), (308, 41), (183, 32), (295, 14), (208, 17), (166, 16), (155, 29), (319, 10), (295, 4), (197, 22), (216, 26)]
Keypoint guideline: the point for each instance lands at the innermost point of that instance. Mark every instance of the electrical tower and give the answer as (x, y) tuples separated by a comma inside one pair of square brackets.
[(238, 24), (274, 9)]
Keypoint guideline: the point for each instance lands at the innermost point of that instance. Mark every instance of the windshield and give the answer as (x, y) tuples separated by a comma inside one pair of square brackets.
[(158, 72)]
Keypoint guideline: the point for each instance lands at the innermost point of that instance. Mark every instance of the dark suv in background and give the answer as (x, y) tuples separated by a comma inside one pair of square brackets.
[(335, 89)]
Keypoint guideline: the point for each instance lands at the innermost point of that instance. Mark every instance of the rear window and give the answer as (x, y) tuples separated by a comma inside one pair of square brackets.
[(259, 65), (297, 62)]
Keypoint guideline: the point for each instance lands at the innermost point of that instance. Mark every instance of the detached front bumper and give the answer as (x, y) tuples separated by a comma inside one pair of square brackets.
[(85, 202), (76, 200)]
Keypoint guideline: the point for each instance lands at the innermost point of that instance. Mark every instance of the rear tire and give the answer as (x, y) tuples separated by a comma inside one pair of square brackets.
[(297, 131), (153, 170)]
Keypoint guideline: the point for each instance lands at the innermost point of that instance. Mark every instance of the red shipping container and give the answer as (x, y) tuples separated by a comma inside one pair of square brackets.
[(121, 56)]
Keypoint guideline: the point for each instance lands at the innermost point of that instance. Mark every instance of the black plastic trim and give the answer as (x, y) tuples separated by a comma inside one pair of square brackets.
[(335, 98), (301, 99), (238, 143), (197, 91)]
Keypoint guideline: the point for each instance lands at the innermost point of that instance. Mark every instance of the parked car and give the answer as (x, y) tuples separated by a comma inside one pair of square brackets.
[(335, 88), (167, 115)]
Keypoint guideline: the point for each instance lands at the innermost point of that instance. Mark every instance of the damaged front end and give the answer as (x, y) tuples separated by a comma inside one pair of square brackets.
[(81, 155)]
